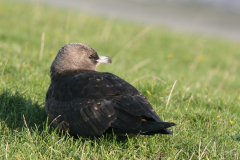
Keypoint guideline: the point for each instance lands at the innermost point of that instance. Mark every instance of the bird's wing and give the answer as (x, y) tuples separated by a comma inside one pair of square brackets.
[(75, 104), (93, 102), (134, 113)]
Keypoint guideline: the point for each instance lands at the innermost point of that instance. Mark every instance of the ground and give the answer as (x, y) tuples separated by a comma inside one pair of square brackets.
[(204, 102)]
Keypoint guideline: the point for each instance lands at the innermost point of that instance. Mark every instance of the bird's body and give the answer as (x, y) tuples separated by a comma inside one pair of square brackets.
[(85, 102)]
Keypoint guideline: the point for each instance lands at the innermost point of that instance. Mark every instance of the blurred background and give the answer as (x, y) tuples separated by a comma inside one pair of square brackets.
[(154, 44), (213, 17)]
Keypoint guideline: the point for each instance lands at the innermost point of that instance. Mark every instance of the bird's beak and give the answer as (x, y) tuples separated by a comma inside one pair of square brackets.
[(104, 59)]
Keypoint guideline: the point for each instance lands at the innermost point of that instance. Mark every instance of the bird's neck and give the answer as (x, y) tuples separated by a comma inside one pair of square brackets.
[(59, 75)]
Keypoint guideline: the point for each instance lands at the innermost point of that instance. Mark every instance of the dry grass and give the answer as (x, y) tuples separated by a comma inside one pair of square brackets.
[(204, 102)]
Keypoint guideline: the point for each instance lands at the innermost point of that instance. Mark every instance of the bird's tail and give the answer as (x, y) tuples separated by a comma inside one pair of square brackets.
[(153, 127)]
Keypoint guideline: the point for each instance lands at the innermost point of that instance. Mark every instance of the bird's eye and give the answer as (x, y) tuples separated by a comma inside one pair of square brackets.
[(90, 57)]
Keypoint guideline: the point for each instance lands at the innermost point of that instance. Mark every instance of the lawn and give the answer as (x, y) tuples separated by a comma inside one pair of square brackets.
[(204, 101)]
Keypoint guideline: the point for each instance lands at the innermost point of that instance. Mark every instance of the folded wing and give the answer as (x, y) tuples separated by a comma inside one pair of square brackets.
[(93, 103)]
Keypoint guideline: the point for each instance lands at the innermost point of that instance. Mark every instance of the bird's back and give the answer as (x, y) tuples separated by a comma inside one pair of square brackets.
[(90, 103)]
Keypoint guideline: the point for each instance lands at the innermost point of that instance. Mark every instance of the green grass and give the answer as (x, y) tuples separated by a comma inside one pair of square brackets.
[(205, 68)]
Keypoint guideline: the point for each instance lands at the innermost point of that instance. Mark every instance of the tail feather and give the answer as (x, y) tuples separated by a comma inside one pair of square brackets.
[(152, 127), (147, 128)]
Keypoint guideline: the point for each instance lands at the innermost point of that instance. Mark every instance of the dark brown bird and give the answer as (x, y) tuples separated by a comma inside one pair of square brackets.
[(85, 102)]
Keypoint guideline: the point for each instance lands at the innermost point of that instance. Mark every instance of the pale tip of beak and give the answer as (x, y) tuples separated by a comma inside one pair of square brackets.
[(104, 59)]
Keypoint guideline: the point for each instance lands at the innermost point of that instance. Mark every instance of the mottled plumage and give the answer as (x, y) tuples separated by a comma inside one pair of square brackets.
[(85, 102)]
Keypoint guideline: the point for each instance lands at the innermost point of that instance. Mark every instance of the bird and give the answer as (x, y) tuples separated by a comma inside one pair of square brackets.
[(84, 102)]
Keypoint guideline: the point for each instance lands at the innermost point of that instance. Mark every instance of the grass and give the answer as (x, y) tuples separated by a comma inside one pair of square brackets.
[(204, 102)]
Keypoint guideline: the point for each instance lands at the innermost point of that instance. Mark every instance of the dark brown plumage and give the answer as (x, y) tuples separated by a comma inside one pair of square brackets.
[(85, 102)]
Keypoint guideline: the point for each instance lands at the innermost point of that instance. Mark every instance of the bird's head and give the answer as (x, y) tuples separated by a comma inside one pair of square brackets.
[(77, 56)]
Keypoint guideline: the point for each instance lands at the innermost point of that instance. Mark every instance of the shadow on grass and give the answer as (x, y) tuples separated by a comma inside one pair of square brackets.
[(108, 137), (14, 104)]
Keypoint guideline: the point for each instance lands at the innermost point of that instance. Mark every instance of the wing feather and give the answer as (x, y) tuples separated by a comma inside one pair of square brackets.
[(92, 103)]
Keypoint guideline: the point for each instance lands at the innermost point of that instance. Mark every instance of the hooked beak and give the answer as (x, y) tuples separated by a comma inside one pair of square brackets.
[(104, 59)]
